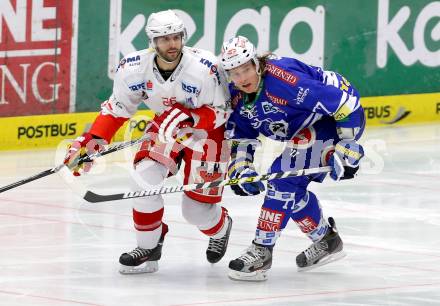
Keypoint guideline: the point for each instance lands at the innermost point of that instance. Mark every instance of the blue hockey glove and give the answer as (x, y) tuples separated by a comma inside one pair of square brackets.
[(241, 166), (247, 189), (345, 160)]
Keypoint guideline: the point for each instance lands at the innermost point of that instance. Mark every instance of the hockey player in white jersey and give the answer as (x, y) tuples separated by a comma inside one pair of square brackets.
[(189, 95)]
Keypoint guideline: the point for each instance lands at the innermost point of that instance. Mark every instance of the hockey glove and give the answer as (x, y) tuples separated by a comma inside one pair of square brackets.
[(243, 169), (84, 145), (169, 124), (345, 160)]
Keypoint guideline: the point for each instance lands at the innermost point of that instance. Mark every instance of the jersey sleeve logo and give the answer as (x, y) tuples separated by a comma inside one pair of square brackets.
[(282, 74)]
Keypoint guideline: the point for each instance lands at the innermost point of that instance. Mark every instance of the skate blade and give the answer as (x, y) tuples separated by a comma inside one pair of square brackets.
[(324, 261), (256, 276), (147, 267)]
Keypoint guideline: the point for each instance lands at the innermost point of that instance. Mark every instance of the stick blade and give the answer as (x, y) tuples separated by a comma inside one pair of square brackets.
[(92, 197)]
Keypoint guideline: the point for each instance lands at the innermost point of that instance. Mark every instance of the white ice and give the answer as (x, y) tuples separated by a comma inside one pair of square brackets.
[(57, 249)]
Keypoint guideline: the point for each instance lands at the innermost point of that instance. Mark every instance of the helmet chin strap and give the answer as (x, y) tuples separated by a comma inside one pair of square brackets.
[(259, 79)]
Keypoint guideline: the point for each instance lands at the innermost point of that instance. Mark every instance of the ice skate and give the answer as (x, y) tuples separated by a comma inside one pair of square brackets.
[(328, 249), (217, 247), (252, 265), (143, 260)]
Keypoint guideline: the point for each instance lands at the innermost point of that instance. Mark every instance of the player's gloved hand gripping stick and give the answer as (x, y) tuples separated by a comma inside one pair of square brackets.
[(77, 162)]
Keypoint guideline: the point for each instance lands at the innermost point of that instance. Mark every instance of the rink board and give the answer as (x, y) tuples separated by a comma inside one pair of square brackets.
[(48, 131)]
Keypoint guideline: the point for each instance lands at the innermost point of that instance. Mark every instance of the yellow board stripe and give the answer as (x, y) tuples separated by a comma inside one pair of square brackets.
[(47, 131)]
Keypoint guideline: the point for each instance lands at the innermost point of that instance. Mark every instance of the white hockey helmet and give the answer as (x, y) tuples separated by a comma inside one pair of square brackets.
[(164, 23), (238, 51)]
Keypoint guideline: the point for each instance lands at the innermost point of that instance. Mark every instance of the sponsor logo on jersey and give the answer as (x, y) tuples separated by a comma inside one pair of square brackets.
[(49, 130), (302, 94), (189, 88), (437, 111), (282, 74), (149, 85), (130, 60), (212, 69), (136, 87), (121, 64), (306, 224), (133, 59), (268, 108), (275, 99), (270, 220)]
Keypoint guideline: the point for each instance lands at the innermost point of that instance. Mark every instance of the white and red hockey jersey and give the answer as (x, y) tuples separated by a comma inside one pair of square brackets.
[(197, 83)]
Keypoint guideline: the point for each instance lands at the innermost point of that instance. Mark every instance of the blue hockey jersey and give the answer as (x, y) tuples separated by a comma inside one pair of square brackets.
[(292, 96)]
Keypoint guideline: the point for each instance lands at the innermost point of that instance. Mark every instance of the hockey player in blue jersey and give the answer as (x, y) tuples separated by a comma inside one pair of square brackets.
[(318, 115)]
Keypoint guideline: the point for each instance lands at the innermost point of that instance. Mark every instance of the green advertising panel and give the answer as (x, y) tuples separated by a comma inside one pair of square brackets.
[(383, 47)]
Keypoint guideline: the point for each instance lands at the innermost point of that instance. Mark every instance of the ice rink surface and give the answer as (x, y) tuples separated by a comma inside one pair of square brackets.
[(57, 249)]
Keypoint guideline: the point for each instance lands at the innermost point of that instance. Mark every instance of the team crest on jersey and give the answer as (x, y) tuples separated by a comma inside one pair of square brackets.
[(279, 128), (249, 113), (304, 139)]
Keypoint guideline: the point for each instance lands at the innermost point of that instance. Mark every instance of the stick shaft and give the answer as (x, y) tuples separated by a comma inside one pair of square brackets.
[(84, 159), (96, 198)]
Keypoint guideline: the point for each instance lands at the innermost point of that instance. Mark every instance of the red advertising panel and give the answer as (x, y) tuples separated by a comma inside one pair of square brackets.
[(35, 55)]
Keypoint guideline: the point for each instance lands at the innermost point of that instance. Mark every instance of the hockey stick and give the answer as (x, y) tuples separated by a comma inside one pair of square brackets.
[(96, 198), (84, 159)]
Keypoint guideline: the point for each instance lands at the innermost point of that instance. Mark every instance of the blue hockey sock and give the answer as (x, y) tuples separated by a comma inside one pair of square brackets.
[(307, 214)]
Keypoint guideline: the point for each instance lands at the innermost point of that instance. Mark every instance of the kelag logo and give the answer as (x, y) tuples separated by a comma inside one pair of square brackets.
[(386, 113), (35, 57)]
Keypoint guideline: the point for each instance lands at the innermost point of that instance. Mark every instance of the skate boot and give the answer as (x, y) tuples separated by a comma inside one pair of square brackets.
[(217, 247), (324, 251), (143, 260), (253, 264)]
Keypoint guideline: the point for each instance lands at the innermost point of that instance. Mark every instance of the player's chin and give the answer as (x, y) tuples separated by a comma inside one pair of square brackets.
[(247, 88)]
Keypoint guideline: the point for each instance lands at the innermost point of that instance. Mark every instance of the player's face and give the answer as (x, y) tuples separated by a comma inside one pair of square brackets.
[(245, 77), (169, 46)]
